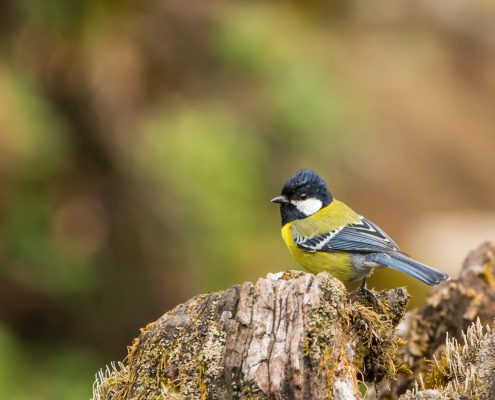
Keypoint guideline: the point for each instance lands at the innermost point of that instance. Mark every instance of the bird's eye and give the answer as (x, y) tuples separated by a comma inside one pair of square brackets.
[(303, 195)]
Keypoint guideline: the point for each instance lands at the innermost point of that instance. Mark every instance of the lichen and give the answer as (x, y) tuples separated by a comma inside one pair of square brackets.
[(320, 328), (458, 363), (183, 354), (463, 371), (332, 362), (177, 362), (196, 352)]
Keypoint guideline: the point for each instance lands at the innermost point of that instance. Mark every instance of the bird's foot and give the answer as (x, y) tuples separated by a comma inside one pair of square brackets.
[(368, 296)]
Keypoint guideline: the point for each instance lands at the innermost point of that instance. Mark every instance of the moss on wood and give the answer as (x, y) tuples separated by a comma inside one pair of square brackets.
[(291, 335)]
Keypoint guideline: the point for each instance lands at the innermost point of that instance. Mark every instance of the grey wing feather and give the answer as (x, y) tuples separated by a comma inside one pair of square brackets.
[(315, 243), (363, 236), (387, 238)]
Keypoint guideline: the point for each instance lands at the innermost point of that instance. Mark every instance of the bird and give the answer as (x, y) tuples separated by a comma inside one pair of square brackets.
[(324, 234)]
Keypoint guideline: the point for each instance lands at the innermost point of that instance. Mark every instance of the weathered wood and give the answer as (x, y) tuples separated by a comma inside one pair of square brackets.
[(300, 336), (289, 336), (450, 309)]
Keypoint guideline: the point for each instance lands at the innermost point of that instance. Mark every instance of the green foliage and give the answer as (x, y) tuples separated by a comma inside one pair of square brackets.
[(58, 13), (206, 164), (37, 150), (34, 138), (55, 372), (38, 257), (301, 86)]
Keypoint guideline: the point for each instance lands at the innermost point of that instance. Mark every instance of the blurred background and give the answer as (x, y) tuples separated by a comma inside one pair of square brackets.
[(140, 144)]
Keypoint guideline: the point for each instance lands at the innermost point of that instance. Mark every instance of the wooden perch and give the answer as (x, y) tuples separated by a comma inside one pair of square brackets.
[(289, 336), (300, 336)]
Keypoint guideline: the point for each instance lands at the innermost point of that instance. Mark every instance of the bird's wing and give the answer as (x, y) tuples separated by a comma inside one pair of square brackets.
[(362, 236)]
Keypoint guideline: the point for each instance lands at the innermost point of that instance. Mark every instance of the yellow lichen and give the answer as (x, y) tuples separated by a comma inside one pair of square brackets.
[(487, 274)]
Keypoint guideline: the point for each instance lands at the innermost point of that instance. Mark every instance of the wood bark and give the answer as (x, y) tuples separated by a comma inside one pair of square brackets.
[(451, 309), (289, 336), (294, 335)]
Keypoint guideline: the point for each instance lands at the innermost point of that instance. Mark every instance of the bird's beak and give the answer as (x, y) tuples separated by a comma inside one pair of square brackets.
[(280, 200)]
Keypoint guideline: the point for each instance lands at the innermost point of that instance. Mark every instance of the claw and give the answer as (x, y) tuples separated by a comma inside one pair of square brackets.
[(368, 295)]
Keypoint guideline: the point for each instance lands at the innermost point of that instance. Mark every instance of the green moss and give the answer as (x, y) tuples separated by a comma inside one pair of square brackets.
[(373, 328), (438, 375), (369, 327), (181, 355)]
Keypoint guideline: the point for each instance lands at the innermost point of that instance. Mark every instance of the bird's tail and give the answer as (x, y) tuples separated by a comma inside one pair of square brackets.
[(402, 263)]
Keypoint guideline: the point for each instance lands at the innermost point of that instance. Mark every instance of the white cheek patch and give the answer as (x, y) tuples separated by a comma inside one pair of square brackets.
[(309, 206)]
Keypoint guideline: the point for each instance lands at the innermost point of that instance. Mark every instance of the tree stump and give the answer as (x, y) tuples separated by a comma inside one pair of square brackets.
[(463, 310), (294, 335), (290, 336)]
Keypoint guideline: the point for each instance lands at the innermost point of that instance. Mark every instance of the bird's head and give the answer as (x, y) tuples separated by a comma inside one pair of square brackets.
[(303, 194)]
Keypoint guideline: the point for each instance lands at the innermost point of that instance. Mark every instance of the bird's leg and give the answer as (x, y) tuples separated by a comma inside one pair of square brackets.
[(366, 292)]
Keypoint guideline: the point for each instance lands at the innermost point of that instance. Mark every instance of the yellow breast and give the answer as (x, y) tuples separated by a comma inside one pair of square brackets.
[(337, 263)]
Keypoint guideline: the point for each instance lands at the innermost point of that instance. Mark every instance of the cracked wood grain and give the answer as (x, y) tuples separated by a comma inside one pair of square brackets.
[(291, 335)]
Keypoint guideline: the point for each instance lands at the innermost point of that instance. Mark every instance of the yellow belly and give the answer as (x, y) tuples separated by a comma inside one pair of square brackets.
[(339, 264)]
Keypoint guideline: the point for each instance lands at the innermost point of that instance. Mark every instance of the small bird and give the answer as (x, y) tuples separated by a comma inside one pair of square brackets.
[(324, 234)]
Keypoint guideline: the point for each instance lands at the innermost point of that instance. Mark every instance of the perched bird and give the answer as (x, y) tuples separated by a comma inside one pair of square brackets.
[(324, 234)]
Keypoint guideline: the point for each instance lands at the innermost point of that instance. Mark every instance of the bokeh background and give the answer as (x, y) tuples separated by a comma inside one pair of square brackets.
[(140, 143)]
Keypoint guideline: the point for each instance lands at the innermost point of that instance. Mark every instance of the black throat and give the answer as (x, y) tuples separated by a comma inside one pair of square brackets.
[(289, 212)]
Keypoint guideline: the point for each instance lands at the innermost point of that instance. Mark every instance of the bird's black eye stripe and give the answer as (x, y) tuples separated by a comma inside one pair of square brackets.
[(303, 195)]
